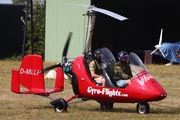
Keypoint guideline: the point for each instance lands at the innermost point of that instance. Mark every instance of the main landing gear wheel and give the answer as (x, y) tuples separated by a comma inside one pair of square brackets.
[(60, 105), (106, 105), (143, 108)]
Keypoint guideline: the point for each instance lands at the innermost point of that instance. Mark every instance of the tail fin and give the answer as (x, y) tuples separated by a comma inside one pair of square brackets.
[(31, 76), (31, 73)]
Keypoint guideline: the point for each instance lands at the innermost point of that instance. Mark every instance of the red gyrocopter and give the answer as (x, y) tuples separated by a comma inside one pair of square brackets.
[(143, 89)]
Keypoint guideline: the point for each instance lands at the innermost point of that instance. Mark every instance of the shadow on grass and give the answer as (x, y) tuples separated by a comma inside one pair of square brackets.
[(129, 110), (163, 110)]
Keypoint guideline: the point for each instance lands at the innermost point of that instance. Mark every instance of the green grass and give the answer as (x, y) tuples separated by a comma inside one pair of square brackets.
[(32, 107)]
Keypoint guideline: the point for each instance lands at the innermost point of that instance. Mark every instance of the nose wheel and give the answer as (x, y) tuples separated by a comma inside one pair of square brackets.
[(143, 108)]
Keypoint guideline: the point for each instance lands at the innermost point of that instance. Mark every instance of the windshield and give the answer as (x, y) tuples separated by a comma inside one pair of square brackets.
[(136, 64), (106, 55), (108, 61)]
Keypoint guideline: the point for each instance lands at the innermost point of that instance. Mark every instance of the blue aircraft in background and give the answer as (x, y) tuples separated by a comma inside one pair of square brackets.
[(167, 50)]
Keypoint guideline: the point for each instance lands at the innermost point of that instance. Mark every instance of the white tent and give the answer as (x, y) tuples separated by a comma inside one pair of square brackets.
[(51, 74)]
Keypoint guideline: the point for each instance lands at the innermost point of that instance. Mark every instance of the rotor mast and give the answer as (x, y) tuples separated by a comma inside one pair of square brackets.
[(91, 15)]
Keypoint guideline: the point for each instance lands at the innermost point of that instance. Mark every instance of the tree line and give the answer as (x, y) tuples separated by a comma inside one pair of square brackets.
[(35, 32)]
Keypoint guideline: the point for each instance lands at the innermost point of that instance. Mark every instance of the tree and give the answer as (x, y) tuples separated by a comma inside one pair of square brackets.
[(38, 27), (19, 1)]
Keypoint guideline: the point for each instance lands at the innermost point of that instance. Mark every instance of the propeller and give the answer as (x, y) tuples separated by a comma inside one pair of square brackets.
[(158, 46), (100, 10), (64, 59)]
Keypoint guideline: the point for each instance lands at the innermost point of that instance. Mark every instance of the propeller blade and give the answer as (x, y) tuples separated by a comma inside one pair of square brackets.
[(51, 67), (109, 13), (162, 53), (160, 39), (63, 55), (67, 45), (154, 51), (159, 45)]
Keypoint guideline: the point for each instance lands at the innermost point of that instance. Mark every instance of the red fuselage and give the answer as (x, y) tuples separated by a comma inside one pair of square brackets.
[(144, 87)]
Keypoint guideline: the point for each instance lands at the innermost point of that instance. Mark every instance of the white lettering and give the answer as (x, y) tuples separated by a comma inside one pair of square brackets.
[(105, 91), (29, 71), (146, 78), (21, 71)]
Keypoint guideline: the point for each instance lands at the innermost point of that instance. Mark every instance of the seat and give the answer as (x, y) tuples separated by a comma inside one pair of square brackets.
[(111, 66), (108, 73), (86, 64)]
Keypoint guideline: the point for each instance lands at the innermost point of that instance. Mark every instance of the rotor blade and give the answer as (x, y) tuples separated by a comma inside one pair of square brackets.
[(87, 6), (160, 39), (51, 67), (153, 51), (67, 45), (109, 13), (106, 12)]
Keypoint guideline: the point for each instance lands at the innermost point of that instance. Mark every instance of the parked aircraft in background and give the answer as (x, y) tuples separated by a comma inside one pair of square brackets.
[(167, 50)]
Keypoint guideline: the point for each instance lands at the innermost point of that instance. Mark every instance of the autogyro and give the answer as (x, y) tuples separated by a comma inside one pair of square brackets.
[(143, 89)]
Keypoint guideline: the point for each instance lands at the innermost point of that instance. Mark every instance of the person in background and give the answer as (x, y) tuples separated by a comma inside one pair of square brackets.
[(122, 70), (95, 67)]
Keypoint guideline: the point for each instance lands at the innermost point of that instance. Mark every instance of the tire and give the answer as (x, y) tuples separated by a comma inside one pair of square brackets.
[(143, 108), (60, 109), (60, 105)]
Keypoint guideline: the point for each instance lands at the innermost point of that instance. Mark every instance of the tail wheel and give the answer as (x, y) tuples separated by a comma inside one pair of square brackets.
[(60, 109), (106, 105), (60, 105), (143, 108)]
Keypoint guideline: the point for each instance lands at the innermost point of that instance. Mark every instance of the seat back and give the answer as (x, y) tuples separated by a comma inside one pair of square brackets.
[(108, 73), (86, 64), (111, 66)]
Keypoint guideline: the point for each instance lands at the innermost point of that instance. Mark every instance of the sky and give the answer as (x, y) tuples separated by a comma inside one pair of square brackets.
[(5, 1)]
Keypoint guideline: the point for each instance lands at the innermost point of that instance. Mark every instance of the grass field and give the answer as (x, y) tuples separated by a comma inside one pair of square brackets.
[(32, 107)]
